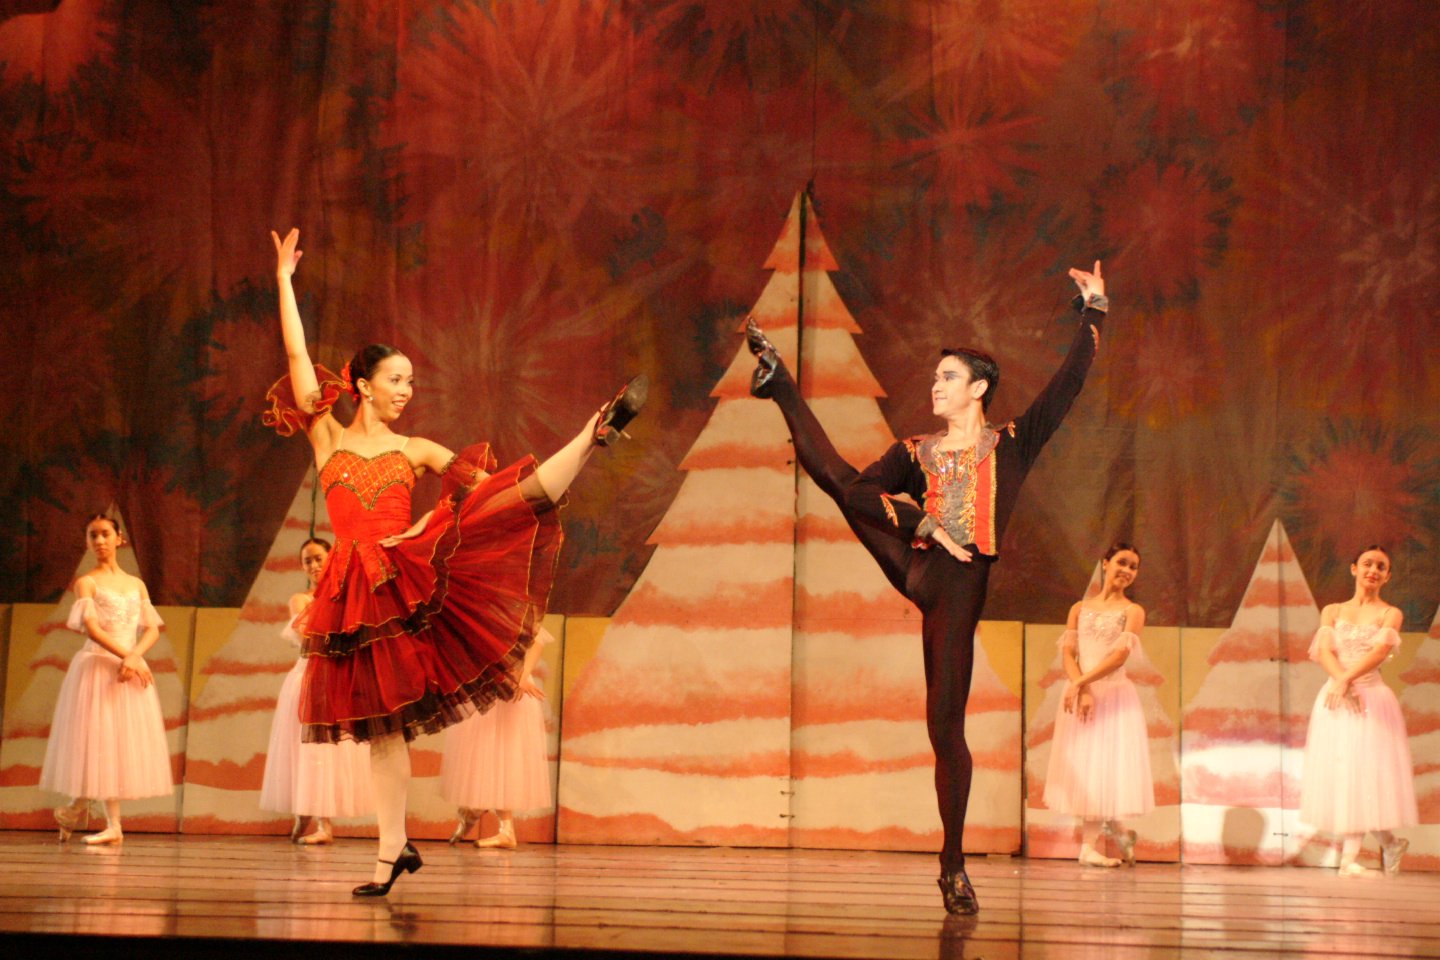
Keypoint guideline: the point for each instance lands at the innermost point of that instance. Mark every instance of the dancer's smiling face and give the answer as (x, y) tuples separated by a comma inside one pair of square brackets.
[(1371, 569), (1122, 569), (954, 391), (312, 560), (389, 388)]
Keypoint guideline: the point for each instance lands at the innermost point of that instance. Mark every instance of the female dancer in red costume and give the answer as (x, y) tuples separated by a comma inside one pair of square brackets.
[(415, 626)]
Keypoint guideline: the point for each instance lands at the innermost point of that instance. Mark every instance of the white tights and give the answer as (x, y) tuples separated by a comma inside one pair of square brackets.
[(390, 779)]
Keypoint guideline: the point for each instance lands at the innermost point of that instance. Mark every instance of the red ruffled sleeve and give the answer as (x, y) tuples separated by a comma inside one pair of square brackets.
[(466, 469), (287, 418)]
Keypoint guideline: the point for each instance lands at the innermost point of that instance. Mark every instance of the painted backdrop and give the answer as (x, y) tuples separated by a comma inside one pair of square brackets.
[(534, 199)]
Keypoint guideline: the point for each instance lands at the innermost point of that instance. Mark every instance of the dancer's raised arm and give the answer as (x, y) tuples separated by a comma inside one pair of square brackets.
[(302, 371)]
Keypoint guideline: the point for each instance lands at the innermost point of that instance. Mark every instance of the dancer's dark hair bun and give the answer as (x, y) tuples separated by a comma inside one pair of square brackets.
[(362, 365), (1118, 546), (319, 542), (1374, 546), (115, 524)]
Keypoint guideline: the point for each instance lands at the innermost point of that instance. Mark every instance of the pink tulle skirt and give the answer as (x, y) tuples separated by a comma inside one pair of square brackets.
[(1100, 769), (107, 738), (312, 779), (1358, 773), (497, 760)]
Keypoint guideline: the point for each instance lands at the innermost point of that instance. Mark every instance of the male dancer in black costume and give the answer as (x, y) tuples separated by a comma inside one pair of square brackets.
[(967, 479)]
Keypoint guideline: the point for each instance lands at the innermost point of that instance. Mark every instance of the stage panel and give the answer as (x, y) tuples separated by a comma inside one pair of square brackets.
[(215, 895)]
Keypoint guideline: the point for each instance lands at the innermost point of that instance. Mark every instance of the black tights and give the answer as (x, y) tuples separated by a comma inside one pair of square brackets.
[(949, 594)]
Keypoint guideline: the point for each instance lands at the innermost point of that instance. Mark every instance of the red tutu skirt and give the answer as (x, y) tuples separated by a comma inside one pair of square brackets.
[(413, 638)]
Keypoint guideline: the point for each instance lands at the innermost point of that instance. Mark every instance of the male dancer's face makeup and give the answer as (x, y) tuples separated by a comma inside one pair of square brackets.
[(951, 390)]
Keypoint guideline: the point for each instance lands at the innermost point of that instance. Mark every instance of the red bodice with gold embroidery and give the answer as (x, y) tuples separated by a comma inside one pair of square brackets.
[(368, 499)]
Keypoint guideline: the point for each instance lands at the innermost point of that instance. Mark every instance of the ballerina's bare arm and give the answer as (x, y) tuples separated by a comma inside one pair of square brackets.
[(325, 432), (133, 663), (1337, 691), (526, 686), (85, 590), (428, 455), (1071, 661)]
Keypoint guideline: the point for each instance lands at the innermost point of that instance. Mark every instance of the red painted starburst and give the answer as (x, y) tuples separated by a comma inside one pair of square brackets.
[(764, 43), (1354, 277), (516, 360), (1166, 225), (1354, 486), (1202, 63), (976, 157), (1004, 53), (1174, 367), (522, 113)]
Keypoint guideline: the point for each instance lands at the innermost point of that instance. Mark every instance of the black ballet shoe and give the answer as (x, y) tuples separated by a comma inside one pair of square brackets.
[(959, 896), (616, 415), (408, 861), (768, 356)]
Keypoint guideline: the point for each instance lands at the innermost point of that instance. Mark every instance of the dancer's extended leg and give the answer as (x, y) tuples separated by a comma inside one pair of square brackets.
[(553, 477), (834, 475)]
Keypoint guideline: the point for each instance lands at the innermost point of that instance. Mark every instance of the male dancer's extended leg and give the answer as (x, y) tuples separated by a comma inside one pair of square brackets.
[(832, 473)]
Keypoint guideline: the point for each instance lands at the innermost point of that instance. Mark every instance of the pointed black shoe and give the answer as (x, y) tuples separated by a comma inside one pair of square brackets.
[(616, 415), (959, 896), (768, 356), (409, 860)]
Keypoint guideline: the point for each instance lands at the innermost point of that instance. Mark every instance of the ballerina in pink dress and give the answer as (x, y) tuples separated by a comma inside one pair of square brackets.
[(499, 760), (1100, 756), (313, 781), (1358, 772), (107, 738)]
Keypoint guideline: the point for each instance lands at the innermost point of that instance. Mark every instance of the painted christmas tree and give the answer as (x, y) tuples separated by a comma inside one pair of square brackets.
[(681, 729), (233, 700), (863, 769), (1421, 702), (678, 730), (27, 722), (1243, 735)]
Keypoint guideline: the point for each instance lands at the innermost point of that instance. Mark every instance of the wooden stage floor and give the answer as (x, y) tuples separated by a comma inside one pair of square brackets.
[(262, 896)]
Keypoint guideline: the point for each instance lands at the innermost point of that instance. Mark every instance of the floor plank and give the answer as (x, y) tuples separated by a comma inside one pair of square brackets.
[(219, 896)]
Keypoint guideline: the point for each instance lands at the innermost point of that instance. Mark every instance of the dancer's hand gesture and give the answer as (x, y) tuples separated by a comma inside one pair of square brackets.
[(527, 688), (1091, 285), (134, 667), (1340, 696), (288, 254), (1085, 704), (951, 547)]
